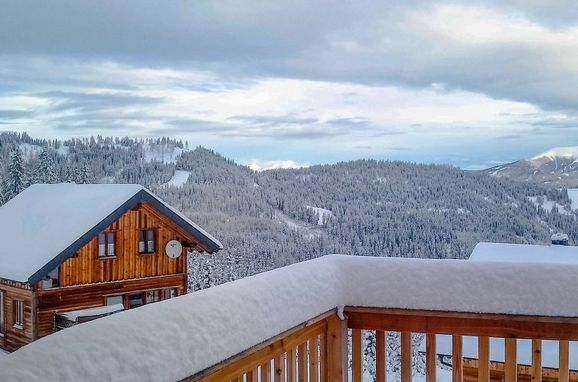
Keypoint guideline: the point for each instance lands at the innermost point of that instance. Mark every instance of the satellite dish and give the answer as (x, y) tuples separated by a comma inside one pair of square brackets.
[(173, 249)]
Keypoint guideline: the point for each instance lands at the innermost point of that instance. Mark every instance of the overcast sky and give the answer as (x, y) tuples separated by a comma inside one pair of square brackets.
[(471, 83)]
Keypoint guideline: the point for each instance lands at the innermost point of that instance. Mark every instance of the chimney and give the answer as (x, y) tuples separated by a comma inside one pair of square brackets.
[(559, 239)]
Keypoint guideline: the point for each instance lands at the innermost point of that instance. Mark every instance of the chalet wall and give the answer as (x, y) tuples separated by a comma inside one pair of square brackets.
[(90, 296), (15, 337), (86, 267)]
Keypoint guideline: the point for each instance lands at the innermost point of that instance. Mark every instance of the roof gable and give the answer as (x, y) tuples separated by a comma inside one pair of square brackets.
[(46, 224)]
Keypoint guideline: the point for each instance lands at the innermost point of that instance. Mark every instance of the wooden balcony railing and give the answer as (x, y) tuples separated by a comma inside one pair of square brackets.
[(306, 323), (317, 351)]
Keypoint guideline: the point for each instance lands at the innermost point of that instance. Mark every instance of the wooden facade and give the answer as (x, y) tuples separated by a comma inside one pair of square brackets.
[(87, 280)]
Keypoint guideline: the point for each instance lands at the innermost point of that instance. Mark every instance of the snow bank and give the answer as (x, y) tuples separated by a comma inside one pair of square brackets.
[(179, 178), (525, 253), (173, 339)]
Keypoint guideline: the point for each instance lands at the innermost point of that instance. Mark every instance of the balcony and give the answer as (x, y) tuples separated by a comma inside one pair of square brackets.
[(293, 324)]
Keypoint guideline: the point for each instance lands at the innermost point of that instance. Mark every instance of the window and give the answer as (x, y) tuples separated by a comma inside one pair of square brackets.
[(146, 241), (106, 242), (19, 313), (1, 313), (169, 293), (113, 300), (135, 300), (152, 296)]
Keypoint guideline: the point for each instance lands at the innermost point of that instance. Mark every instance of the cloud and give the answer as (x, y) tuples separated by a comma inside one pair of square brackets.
[(259, 165)]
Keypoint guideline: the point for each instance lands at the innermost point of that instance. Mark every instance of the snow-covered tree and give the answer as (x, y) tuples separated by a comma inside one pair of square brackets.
[(44, 172), (17, 179)]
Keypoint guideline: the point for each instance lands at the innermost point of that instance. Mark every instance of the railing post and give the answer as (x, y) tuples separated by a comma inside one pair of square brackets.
[(336, 347)]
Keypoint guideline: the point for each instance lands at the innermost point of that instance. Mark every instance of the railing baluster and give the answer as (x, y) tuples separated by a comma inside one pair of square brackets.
[(336, 361), (291, 365), (431, 356), (483, 359), (405, 357), (302, 362), (279, 365), (322, 358), (536, 360), (564, 361), (380, 356), (356, 360), (266, 372), (457, 360), (313, 347), (511, 362)]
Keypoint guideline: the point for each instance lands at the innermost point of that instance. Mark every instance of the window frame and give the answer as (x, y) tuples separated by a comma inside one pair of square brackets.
[(107, 245), (143, 234), (18, 314)]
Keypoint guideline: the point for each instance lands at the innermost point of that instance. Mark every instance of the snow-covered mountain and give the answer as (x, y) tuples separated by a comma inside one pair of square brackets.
[(555, 167)]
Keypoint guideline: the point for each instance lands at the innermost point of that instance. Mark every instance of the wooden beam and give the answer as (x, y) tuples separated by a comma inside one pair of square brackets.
[(336, 345), (536, 360), (431, 357), (564, 361), (405, 357), (484, 359), (463, 324), (510, 367), (380, 356), (356, 355), (457, 359)]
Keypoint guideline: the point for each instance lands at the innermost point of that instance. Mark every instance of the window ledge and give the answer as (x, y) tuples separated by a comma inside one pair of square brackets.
[(1, 335), (106, 257), (147, 253), (17, 326)]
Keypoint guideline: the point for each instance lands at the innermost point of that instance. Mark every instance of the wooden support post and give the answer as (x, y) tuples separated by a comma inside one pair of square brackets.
[(336, 348), (356, 357), (457, 360), (279, 364), (405, 357), (322, 357), (431, 357), (536, 360), (511, 364), (483, 359), (380, 356), (291, 376), (564, 361)]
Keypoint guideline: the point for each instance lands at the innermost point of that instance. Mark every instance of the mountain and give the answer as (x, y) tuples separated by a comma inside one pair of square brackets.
[(277, 217), (557, 167)]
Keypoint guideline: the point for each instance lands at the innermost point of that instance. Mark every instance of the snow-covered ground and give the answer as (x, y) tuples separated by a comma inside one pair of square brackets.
[(573, 195), (3, 353), (548, 205), (322, 214), (166, 153), (249, 311), (179, 179)]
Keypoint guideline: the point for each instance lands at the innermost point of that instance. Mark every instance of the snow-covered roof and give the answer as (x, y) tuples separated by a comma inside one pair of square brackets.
[(91, 312), (173, 339), (47, 223), (525, 253)]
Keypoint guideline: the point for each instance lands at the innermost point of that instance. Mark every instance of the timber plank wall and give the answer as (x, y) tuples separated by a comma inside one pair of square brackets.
[(87, 268), (15, 337)]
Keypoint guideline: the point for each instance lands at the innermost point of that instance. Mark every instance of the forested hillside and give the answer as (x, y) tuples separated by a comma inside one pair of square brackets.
[(273, 218)]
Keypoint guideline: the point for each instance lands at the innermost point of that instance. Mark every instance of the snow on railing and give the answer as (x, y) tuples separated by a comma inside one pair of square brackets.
[(199, 335)]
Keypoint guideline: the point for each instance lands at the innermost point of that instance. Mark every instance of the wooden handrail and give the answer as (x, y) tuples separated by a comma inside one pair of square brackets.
[(316, 351)]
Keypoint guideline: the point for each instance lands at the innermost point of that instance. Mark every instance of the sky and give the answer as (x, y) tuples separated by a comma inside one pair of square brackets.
[(289, 83)]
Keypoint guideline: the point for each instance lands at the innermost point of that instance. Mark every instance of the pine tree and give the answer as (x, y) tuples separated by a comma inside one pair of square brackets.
[(84, 176), (16, 182), (45, 170)]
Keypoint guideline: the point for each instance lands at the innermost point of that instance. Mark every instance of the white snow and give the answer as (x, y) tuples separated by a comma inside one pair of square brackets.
[(107, 309), (322, 214), (166, 153), (524, 350), (29, 151), (179, 178), (176, 338), (525, 253), (259, 165), (548, 205), (3, 353), (573, 195), (45, 219), (559, 152)]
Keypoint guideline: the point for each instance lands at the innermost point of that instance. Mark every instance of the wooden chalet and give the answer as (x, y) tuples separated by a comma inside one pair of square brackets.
[(71, 253)]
